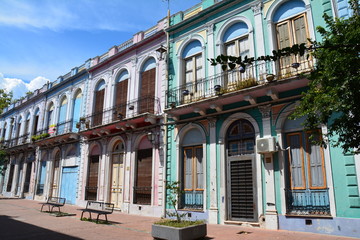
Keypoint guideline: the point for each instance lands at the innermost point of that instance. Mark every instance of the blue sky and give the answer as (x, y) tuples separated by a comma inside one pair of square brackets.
[(43, 39)]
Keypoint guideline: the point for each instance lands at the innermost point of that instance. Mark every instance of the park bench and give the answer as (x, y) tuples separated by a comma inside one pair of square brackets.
[(54, 202), (99, 208)]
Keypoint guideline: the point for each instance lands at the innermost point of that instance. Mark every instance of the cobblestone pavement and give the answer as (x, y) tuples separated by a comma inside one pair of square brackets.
[(22, 219)]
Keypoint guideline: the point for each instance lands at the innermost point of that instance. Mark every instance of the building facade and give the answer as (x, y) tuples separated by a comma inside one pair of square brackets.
[(231, 144), (153, 110)]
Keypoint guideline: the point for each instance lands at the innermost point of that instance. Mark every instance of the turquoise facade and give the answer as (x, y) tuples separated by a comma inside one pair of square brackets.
[(292, 184)]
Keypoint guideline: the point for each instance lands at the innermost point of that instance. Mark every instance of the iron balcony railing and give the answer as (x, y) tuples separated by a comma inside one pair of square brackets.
[(142, 195), (192, 199), (131, 109), (308, 202), (23, 139), (235, 80), (61, 128)]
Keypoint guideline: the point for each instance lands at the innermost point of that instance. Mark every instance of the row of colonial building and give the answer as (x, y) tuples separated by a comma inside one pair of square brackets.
[(153, 110)]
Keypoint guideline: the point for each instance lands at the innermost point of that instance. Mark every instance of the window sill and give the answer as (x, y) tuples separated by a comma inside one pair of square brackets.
[(308, 216), (191, 210)]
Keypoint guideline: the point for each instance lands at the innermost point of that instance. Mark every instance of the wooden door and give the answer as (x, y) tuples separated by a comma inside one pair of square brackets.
[(117, 176)]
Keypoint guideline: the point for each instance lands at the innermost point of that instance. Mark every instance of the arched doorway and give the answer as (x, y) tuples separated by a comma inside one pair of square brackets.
[(143, 173), (93, 174), (55, 175), (117, 174), (241, 183)]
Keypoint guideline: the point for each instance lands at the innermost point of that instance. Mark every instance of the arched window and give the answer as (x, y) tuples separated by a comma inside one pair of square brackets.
[(76, 109), (27, 124), (18, 129), (143, 173), (147, 89), (291, 28), (240, 138), (36, 121), (99, 103), (236, 43), (193, 170), (121, 95), (193, 62), (62, 115), (93, 173), (50, 115), (305, 171)]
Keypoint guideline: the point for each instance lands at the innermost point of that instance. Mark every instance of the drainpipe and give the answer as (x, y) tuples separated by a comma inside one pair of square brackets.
[(165, 115)]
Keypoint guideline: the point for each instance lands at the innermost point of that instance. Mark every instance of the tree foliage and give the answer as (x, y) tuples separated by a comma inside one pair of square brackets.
[(334, 90), (5, 99)]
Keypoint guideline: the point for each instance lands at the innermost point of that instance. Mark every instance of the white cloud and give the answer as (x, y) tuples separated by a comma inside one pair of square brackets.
[(19, 87)]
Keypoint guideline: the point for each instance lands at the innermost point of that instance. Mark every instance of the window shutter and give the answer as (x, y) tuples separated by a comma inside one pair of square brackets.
[(296, 161), (147, 92), (316, 163), (188, 169), (300, 30), (99, 104), (121, 96), (199, 168)]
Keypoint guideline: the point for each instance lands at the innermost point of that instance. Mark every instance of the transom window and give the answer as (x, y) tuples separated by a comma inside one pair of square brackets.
[(240, 138)]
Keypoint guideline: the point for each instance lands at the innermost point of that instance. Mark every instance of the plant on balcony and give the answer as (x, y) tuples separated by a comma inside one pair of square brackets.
[(178, 228), (3, 162), (40, 136)]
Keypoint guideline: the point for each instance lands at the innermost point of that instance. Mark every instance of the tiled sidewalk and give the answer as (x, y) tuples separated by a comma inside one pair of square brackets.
[(22, 219)]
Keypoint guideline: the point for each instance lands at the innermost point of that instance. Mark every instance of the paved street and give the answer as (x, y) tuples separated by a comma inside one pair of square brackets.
[(22, 219)]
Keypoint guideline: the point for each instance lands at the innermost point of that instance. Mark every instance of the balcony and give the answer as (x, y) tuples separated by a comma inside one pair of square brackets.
[(307, 202), (124, 112), (192, 199), (260, 74)]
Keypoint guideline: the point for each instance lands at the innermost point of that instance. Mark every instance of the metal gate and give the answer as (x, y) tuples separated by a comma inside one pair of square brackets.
[(241, 192), (69, 184)]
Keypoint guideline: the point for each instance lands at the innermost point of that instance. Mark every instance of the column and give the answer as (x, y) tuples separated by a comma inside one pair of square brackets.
[(213, 210), (271, 216)]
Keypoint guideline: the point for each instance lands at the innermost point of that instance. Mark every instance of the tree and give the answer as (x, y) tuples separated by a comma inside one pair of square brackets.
[(5, 99), (333, 96)]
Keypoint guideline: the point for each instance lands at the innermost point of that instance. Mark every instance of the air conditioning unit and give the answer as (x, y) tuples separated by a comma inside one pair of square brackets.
[(266, 145)]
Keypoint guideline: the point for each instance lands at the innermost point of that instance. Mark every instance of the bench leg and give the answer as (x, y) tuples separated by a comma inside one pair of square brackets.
[(81, 215), (49, 208), (106, 218), (97, 219), (41, 207)]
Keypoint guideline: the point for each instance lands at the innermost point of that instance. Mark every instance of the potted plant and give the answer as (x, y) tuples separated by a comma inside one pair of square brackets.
[(177, 228)]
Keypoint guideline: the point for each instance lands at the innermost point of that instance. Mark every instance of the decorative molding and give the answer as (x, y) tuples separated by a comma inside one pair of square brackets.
[(265, 111), (257, 8)]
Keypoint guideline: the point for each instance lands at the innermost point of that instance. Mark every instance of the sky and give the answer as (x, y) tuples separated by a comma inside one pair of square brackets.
[(41, 40)]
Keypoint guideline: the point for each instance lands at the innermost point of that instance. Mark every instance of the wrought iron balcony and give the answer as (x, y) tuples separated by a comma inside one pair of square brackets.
[(61, 128), (142, 195), (131, 109), (307, 202), (192, 199), (236, 80)]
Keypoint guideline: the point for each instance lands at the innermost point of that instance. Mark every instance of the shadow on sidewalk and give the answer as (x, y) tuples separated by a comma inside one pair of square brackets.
[(13, 229)]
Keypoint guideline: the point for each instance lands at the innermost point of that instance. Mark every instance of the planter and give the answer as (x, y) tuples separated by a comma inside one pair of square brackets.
[(173, 233)]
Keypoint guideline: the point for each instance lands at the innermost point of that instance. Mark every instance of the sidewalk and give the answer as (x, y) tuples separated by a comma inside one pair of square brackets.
[(22, 219)]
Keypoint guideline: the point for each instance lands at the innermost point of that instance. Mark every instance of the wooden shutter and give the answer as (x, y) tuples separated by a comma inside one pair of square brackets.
[(199, 168), (283, 37), (98, 110), (121, 96), (296, 161), (315, 156), (147, 92), (188, 170)]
